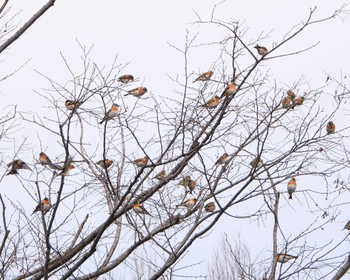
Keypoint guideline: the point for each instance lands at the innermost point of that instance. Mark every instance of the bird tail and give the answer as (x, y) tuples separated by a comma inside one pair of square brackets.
[(127, 94), (290, 196), (55, 166), (12, 172), (101, 122)]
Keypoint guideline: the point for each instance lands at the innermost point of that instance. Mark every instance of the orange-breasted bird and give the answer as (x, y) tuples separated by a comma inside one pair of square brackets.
[(113, 112), (137, 92), (210, 207), (104, 163), (287, 102), (204, 77), (141, 162), (283, 258), (223, 159), (160, 176), (291, 187), (256, 163), (184, 181), (298, 101), (291, 94), (330, 127), (126, 78), (43, 206), (261, 50), (189, 183), (71, 104), (16, 165), (138, 207), (212, 102), (45, 160), (188, 203), (230, 90), (68, 167), (347, 226)]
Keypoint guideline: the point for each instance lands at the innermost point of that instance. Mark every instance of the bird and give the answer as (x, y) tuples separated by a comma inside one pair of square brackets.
[(45, 160), (138, 207), (231, 89), (287, 102), (137, 92), (17, 164), (298, 101), (113, 112), (261, 50), (291, 187), (66, 168), (222, 159), (283, 258), (188, 203), (141, 162), (204, 76), (256, 163), (189, 183), (184, 181), (71, 104), (126, 78), (291, 94), (212, 102), (330, 127), (43, 206), (210, 207), (104, 163), (347, 226), (161, 175)]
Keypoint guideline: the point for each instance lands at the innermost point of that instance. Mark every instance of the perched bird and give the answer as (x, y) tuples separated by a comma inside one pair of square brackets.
[(43, 206), (113, 112), (212, 102), (222, 159), (188, 203), (160, 176), (71, 104), (261, 50), (189, 183), (141, 162), (204, 77), (137, 92), (256, 163), (68, 167), (138, 207), (283, 258), (17, 164), (230, 90), (45, 160), (184, 181), (291, 94), (104, 163), (210, 207), (330, 127), (298, 101), (291, 187), (287, 102), (126, 79), (347, 226)]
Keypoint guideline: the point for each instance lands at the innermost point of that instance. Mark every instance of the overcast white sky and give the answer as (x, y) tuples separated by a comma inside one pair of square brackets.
[(139, 32)]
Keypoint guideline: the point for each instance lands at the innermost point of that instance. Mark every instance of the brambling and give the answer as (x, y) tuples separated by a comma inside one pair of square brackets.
[(141, 162), (291, 94), (126, 79), (161, 175), (261, 50), (330, 127), (16, 165), (104, 163), (204, 77), (65, 169), (45, 160), (138, 207), (286, 102), (291, 187), (113, 112), (298, 101), (223, 159), (189, 183), (210, 207), (184, 181), (283, 258), (230, 90), (43, 206), (347, 226), (137, 92), (188, 203), (71, 104), (212, 102), (256, 163)]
